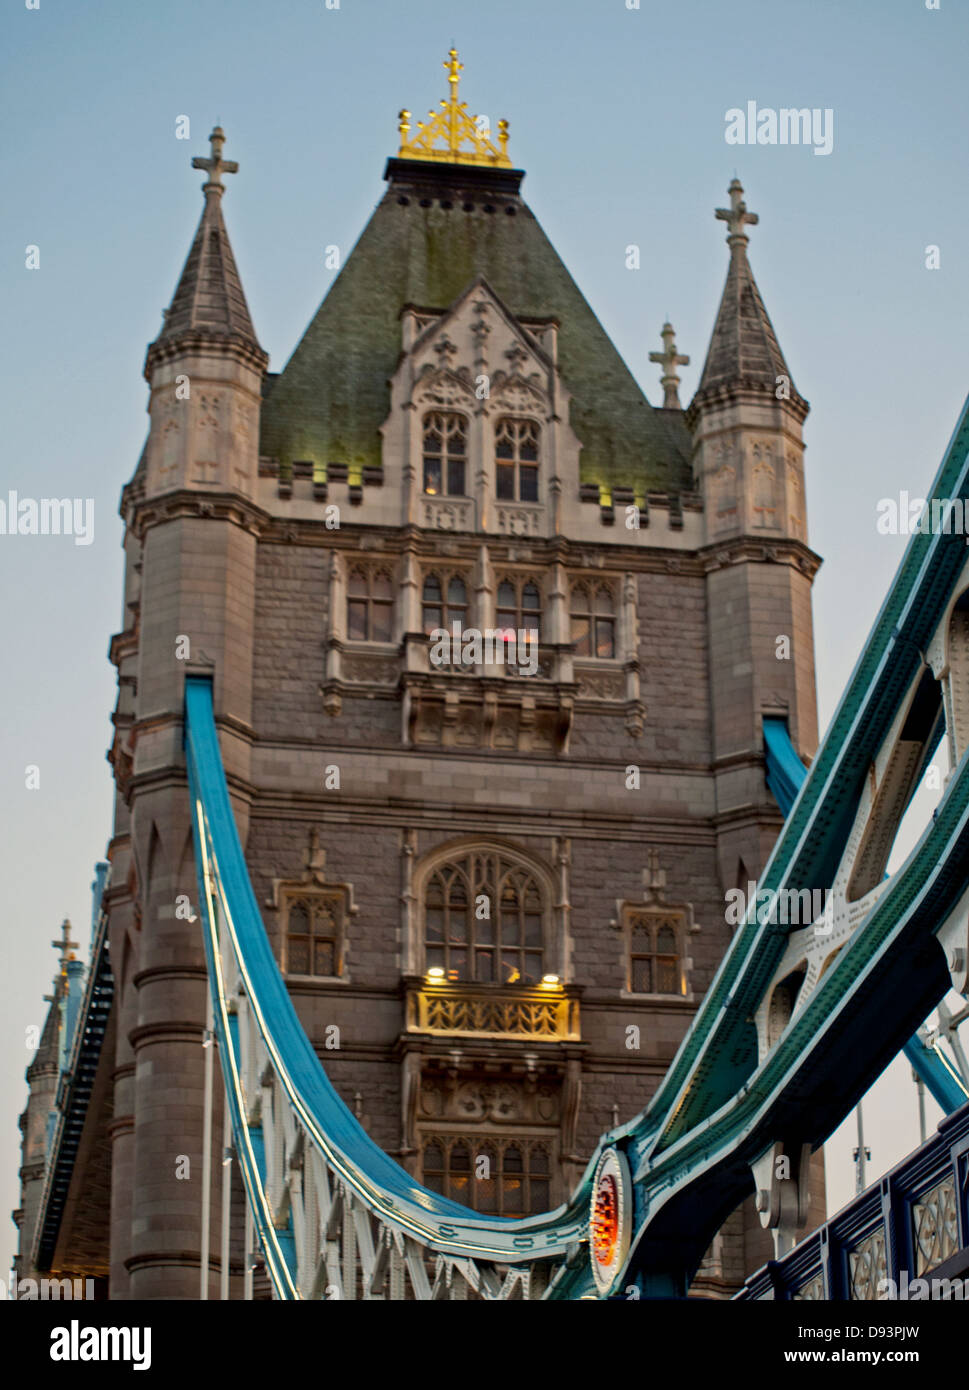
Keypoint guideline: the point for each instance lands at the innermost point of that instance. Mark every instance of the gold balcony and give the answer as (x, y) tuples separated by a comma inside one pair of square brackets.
[(546, 1013)]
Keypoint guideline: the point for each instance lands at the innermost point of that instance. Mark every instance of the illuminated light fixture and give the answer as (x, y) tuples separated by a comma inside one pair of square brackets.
[(551, 980), (435, 973), (610, 1219)]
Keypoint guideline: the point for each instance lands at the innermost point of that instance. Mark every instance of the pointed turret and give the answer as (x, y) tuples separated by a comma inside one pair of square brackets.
[(190, 541), (744, 351), (746, 416), (209, 301), (205, 367), (748, 461)]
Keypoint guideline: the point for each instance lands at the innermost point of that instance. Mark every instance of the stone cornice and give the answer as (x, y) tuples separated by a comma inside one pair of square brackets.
[(747, 393), (748, 549), (234, 346), (210, 505), (150, 1033), (387, 542)]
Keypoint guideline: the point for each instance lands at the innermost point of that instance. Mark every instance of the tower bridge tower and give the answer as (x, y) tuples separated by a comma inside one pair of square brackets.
[(494, 887)]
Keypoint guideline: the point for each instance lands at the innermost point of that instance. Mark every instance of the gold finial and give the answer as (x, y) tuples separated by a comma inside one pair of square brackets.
[(451, 134)]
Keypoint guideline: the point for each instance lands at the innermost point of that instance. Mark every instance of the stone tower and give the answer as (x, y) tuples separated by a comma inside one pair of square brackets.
[(748, 459), (499, 880), (189, 602)]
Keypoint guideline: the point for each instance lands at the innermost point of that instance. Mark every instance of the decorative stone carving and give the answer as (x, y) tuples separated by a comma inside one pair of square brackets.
[(446, 514), (513, 393), (519, 520), (370, 670), (443, 386), (479, 1102), (601, 685)]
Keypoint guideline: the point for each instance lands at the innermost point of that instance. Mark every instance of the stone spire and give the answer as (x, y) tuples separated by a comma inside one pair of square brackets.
[(209, 301), (744, 351), (669, 359)]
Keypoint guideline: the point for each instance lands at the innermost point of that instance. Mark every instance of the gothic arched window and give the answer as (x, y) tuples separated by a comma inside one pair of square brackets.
[(516, 460), (484, 920), (593, 621), (444, 600), (497, 1176), (654, 952), (519, 605), (313, 931), (445, 454), (370, 606)]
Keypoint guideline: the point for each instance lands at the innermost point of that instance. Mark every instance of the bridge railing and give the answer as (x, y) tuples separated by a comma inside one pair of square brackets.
[(913, 1224)]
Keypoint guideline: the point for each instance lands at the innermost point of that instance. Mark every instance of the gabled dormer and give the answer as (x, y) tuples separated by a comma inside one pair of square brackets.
[(478, 423)]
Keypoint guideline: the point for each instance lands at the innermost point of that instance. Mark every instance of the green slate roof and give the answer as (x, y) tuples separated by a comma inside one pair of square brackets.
[(330, 400)]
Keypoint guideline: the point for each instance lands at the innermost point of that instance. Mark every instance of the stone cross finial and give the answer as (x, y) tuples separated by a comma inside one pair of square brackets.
[(215, 166), (736, 216), (669, 359), (66, 946)]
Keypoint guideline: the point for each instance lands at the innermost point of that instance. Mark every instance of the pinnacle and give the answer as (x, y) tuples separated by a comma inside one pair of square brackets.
[(209, 298), (744, 350)]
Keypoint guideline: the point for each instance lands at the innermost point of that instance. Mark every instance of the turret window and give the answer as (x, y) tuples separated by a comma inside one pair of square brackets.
[(593, 621), (654, 954), (516, 460), (445, 454), (370, 606), (313, 927), (444, 601), (519, 606)]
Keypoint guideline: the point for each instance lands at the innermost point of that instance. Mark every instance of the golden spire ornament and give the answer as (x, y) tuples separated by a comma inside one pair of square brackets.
[(451, 134)]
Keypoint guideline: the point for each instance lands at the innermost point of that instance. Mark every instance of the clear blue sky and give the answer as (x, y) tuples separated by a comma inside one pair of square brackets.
[(617, 115)]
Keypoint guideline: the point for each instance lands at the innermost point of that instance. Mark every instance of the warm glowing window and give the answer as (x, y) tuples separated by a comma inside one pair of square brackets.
[(484, 921), (516, 460), (370, 606), (444, 601), (593, 621), (445, 454), (495, 1176)]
